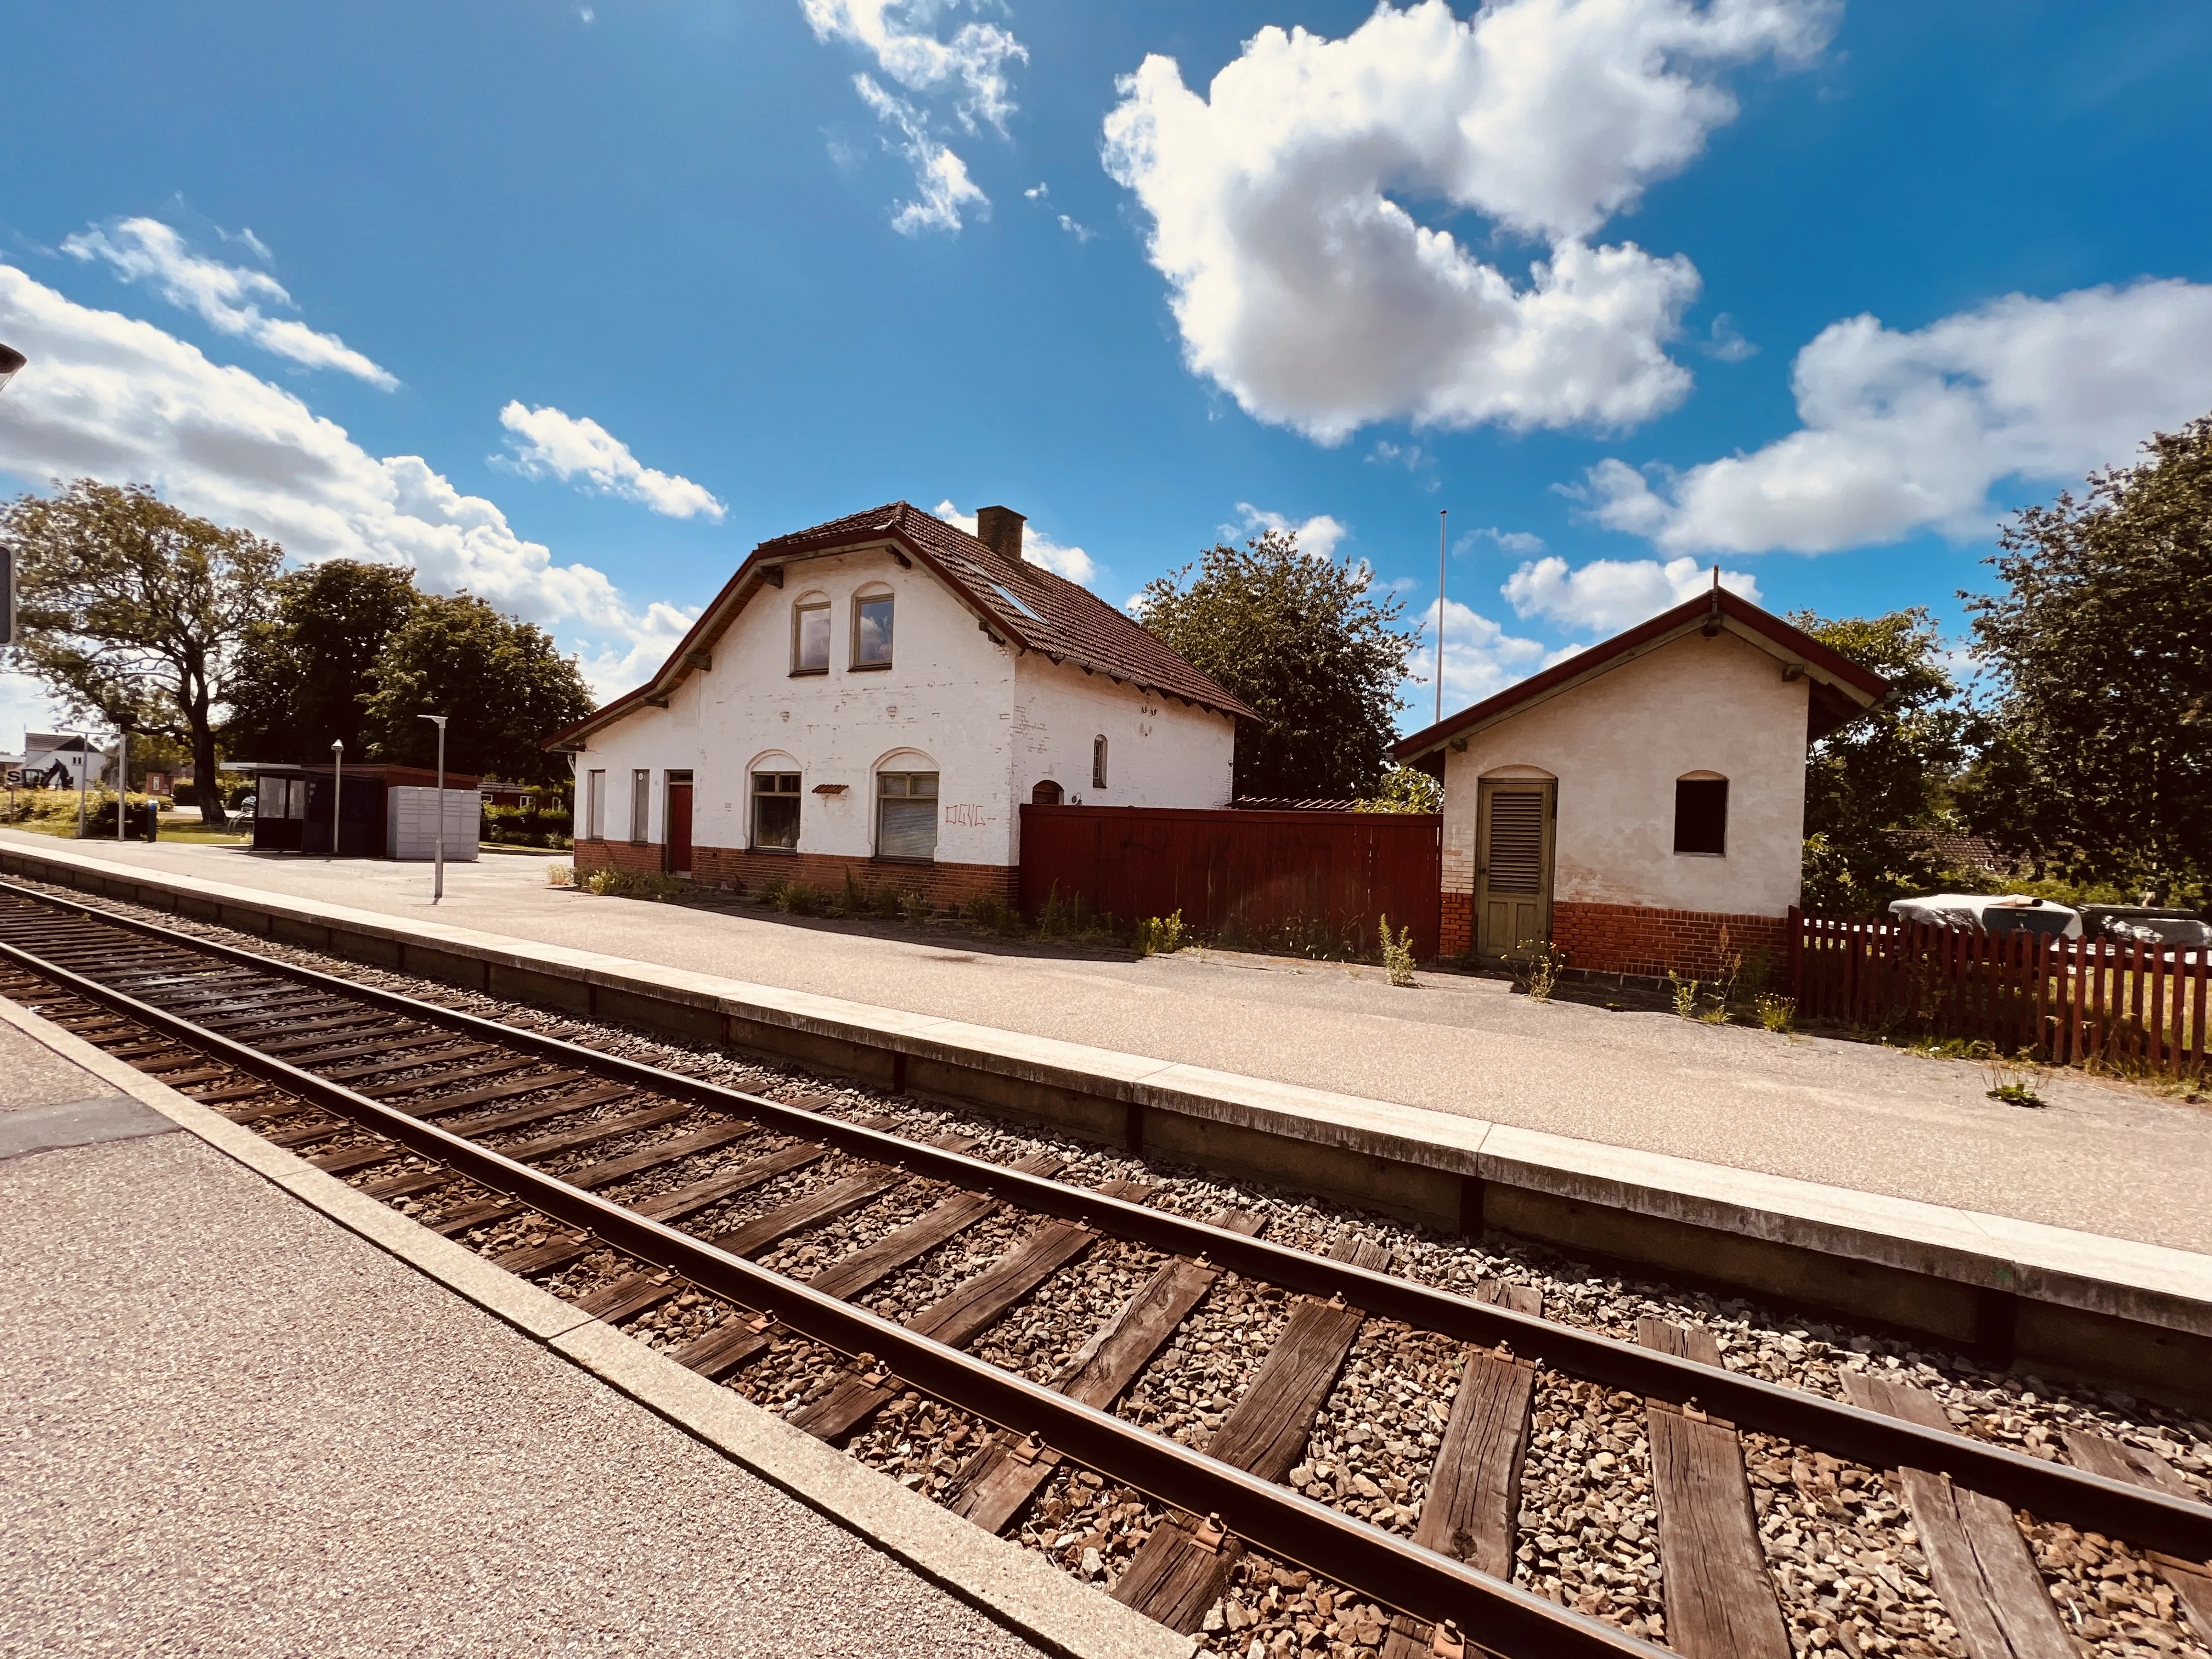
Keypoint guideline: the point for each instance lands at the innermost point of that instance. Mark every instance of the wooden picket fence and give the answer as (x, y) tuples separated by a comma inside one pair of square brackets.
[(2134, 1006)]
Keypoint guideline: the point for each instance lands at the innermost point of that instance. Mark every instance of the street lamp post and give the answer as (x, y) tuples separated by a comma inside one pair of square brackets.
[(437, 854), (337, 788), (83, 778), (122, 780)]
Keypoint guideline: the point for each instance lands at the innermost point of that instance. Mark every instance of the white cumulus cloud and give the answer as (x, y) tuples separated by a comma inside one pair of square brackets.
[(111, 397), (552, 444), (1071, 562), (1480, 658), (942, 186), (1306, 289), (1607, 595), (970, 69), (1907, 431), (227, 297), (1318, 536)]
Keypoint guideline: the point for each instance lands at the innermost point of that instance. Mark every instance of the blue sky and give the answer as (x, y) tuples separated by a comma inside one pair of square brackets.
[(572, 304)]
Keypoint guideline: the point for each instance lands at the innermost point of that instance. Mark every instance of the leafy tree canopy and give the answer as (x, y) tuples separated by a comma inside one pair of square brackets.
[(305, 670), (2101, 765), (133, 611), (1307, 644), (1405, 789), (503, 684)]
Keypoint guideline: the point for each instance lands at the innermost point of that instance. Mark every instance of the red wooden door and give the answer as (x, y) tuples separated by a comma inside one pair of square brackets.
[(679, 828)]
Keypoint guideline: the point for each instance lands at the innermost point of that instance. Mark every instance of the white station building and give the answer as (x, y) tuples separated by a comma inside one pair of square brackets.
[(873, 699)]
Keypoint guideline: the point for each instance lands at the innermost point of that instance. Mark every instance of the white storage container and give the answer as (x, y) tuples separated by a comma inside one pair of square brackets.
[(410, 823)]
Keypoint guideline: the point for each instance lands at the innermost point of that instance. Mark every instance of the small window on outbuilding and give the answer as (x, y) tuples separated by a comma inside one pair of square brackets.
[(1047, 794), (1701, 815), (776, 812), (1098, 762), (640, 804), (595, 805)]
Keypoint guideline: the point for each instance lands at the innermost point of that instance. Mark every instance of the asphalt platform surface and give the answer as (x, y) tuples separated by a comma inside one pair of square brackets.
[(2102, 1156), (230, 1426)]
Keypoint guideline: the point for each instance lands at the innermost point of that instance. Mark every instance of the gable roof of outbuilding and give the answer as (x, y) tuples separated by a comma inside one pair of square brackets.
[(1841, 690), (1013, 598)]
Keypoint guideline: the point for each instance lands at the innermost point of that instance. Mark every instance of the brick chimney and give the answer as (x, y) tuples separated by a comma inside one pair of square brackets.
[(1000, 529)]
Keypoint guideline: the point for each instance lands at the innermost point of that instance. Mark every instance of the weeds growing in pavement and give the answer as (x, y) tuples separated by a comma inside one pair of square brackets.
[(635, 883), (1686, 995), (2011, 1081), (994, 914), (1397, 953), (795, 898), (560, 875), (914, 908), (1776, 1013), (1545, 960), (1160, 936)]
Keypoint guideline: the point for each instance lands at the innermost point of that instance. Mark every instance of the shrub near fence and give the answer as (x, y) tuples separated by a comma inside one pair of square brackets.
[(1303, 882), (2130, 1007)]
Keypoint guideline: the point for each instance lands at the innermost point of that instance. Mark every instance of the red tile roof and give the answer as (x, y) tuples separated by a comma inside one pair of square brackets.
[(1025, 603), (1841, 690)]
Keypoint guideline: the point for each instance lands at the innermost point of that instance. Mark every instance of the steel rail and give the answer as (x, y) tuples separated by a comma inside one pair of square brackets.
[(2146, 1516), (1416, 1581)]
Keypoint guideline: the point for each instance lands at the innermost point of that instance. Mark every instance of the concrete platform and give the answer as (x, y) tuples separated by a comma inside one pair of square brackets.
[(2109, 1159), (231, 1425), (2123, 1297)]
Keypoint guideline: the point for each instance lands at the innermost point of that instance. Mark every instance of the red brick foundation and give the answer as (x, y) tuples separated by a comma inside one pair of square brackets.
[(1627, 938), (1455, 927), (946, 887)]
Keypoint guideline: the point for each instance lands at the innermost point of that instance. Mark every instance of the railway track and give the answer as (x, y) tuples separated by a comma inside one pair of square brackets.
[(638, 1190)]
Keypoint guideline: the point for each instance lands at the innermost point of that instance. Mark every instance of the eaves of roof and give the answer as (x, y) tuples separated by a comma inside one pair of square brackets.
[(1842, 689)]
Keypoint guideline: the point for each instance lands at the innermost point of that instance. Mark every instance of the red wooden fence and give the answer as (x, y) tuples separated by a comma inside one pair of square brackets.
[(1265, 879), (2135, 1006)]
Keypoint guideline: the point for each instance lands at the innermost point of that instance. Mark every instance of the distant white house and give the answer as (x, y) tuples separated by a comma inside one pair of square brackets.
[(874, 698), (54, 760), (1637, 802)]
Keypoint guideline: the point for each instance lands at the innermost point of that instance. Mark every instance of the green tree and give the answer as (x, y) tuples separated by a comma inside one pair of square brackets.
[(133, 611), (1305, 641), (1404, 789), (305, 672), (2101, 766), (504, 685), (1888, 771)]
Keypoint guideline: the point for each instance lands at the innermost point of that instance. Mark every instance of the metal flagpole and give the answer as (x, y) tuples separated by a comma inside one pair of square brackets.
[(337, 788), (438, 868), (1442, 515), (122, 779), (83, 777)]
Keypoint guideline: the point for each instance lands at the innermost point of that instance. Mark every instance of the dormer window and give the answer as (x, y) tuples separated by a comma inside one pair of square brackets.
[(871, 629), (809, 636)]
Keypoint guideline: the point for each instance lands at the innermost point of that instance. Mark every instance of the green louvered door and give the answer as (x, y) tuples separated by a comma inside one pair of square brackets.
[(1513, 865)]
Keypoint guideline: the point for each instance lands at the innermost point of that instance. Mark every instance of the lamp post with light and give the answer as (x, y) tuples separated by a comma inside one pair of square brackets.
[(438, 854), (337, 788)]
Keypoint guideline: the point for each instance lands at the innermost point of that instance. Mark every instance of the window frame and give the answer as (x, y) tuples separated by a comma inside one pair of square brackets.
[(795, 794), (1710, 787), (864, 597), (801, 609), (1098, 753), (595, 803), (885, 795), (641, 806)]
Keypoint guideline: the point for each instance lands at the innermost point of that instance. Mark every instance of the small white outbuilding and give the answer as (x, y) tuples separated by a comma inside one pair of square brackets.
[(1641, 804)]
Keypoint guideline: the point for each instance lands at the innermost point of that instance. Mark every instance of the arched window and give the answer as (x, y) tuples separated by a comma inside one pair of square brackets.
[(1098, 762), (1047, 794), (872, 628), (810, 634), (906, 813), (1701, 814)]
